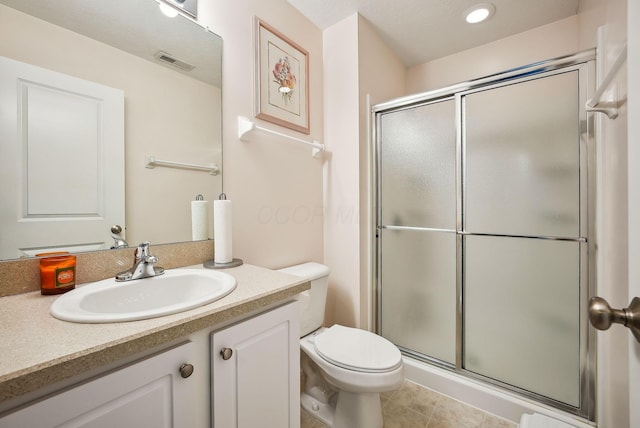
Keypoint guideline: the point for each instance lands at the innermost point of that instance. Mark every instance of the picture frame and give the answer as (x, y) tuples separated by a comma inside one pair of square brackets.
[(281, 79)]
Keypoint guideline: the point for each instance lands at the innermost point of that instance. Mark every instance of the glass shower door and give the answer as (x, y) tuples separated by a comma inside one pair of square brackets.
[(485, 255), (417, 229), (523, 245)]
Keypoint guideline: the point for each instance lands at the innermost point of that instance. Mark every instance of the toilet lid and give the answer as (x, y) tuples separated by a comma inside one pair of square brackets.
[(357, 349)]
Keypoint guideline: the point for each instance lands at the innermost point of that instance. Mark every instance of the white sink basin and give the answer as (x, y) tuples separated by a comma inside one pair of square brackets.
[(110, 301)]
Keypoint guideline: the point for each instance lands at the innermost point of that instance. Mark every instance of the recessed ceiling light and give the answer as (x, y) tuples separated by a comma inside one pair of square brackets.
[(478, 13)]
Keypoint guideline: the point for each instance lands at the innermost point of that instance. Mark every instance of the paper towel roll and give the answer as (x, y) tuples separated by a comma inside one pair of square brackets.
[(222, 241), (199, 220)]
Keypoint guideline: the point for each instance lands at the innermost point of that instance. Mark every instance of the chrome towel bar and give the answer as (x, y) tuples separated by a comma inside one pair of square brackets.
[(151, 162)]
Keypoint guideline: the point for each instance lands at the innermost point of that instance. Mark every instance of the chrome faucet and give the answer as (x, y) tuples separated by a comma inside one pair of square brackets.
[(143, 265)]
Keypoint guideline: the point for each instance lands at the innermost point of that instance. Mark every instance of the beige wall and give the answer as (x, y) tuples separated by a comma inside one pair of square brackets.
[(549, 41), (342, 186), (158, 200), (381, 77), (275, 185), (357, 66)]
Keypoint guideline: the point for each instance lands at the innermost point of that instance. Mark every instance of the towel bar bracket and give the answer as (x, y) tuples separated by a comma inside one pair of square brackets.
[(246, 126), (611, 112)]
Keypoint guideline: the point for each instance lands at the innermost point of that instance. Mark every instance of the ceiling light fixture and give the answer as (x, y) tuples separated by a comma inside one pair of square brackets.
[(478, 13)]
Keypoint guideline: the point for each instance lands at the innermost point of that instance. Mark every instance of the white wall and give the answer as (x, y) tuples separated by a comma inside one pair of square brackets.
[(275, 185)]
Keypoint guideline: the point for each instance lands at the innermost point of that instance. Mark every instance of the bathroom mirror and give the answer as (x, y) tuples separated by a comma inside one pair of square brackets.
[(169, 73)]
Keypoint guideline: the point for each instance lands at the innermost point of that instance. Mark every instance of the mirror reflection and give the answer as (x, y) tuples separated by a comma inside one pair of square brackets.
[(90, 91)]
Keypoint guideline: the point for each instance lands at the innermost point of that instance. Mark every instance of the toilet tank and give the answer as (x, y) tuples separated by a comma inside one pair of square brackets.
[(312, 301)]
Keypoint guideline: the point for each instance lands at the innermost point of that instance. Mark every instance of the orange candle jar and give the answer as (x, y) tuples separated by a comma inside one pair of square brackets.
[(57, 272)]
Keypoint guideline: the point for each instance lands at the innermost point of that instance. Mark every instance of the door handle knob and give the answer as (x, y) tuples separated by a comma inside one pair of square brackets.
[(602, 315)]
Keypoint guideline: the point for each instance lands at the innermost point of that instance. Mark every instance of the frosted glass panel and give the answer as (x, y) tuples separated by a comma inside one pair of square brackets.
[(418, 154), (522, 147), (521, 313), (419, 294)]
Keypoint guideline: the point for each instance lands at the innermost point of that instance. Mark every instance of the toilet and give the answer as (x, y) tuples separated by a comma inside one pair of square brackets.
[(346, 368)]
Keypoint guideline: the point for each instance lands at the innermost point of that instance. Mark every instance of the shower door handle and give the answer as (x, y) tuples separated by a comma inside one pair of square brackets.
[(602, 315)]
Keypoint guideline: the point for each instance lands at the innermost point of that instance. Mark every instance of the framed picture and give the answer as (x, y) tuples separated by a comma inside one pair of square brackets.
[(282, 79)]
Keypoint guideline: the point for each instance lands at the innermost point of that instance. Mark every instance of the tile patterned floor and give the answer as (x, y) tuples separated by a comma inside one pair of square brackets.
[(413, 406)]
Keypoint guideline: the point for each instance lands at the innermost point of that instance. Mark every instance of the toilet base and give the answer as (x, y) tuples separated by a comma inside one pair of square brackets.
[(362, 410), (318, 409)]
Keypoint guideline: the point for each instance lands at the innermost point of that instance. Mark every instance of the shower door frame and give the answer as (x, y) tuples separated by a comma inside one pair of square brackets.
[(584, 63)]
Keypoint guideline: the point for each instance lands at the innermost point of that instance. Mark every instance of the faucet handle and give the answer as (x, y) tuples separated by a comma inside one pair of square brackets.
[(142, 252), (143, 266)]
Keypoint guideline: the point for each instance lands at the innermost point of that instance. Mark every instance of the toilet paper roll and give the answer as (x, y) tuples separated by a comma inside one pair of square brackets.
[(222, 241), (199, 223)]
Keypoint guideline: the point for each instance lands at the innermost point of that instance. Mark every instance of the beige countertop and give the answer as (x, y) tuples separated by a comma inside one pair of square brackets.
[(37, 350)]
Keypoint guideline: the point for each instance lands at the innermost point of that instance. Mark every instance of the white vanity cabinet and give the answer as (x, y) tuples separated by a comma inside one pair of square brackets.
[(258, 385), (149, 393), (255, 369)]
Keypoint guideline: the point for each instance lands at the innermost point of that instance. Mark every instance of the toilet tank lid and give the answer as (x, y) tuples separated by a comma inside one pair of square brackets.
[(309, 271)]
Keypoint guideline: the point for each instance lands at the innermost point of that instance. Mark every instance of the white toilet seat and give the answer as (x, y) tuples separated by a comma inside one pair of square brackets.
[(357, 350), (351, 380)]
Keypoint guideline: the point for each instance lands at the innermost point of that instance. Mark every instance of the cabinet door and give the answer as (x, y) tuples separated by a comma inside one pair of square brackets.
[(150, 393), (259, 382)]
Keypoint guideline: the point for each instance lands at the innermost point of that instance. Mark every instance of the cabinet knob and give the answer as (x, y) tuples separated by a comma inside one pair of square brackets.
[(186, 370), (226, 353)]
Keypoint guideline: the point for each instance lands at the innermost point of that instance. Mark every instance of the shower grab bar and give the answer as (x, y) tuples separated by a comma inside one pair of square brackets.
[(611, 108), (245, 126), (151, 162)]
